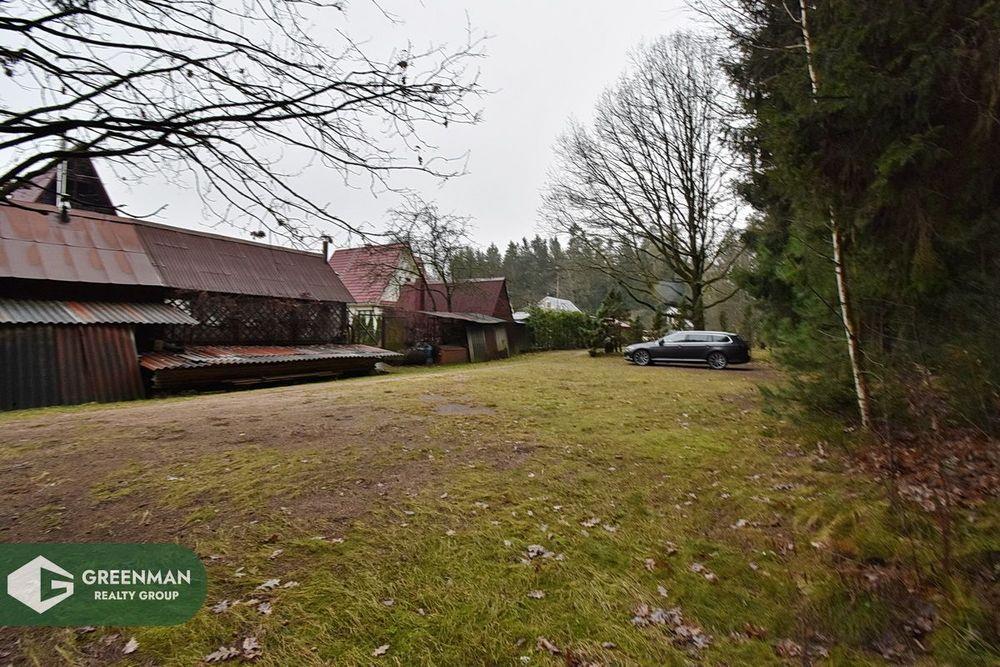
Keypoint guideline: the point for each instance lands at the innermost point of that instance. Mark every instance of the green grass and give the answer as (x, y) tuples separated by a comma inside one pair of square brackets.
[(662, 456)]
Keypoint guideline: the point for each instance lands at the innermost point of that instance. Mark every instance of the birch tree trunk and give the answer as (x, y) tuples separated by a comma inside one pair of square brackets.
[(836, 233)]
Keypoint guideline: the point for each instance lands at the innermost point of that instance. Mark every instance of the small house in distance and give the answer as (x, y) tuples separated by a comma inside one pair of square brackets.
[(549, 303), (555, 303), (379, 278)]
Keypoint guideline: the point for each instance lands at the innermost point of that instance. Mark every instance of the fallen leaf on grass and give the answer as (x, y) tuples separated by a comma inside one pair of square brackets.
[(538, 551), (670, 548), (786, 648), (536, 594), (131, 646), (269, 584), (85, 629), (662, 591), (684, 633), (649, 564), (222, 606), (388, 602), (265, 608), (544, 644), (698, 568), (609, 645), (381, 650), (741, 523), (590, 523), (222, 654), (290, 584), (251, 648), (275, 554)]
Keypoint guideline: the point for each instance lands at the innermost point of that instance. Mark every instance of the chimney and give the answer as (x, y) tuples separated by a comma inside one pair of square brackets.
[(62, 190), (326, 248)]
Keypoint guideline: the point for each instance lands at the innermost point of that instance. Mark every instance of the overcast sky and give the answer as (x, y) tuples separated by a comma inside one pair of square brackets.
[(546, 60)]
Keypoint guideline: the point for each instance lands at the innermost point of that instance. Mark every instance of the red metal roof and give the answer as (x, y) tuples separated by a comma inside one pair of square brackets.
[(88, 248), (366, 271), (99, 248), (196, 356), (30, 311), (207, 262), (486, 296)]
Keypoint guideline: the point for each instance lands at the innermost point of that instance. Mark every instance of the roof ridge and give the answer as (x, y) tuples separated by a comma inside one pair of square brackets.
[(82, 213)]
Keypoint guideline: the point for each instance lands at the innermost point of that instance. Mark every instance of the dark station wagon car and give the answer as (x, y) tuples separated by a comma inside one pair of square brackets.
[(716, 348)]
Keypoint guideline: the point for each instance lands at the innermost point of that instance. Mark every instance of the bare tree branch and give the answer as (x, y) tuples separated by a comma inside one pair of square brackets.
[(219, 91)]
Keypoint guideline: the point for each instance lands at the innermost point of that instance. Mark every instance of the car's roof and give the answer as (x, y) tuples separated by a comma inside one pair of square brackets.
[(706, 331)]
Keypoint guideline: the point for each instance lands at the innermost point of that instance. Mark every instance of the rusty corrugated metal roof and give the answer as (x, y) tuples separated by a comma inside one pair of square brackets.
[(487, 296), (97, 248), (368, 270), (475, 318), (206, 262), (196, 356), (88, 248), (31, 311)]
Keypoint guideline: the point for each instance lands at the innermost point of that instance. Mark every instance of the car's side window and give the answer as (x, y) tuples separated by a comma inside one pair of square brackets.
[(674, 338), (718, 338)]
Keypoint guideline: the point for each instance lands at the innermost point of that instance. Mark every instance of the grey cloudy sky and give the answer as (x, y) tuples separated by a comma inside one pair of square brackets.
[(546, 60)]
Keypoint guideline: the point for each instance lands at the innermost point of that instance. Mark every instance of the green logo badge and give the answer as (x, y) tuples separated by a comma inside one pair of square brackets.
[(99, 584)]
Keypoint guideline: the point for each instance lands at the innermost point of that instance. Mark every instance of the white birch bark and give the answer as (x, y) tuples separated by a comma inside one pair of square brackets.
[(846, 310)]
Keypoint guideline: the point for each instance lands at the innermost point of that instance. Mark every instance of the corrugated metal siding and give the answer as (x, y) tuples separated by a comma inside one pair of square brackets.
[(201, 262), (30, 311), (63, 365), (88, 248)]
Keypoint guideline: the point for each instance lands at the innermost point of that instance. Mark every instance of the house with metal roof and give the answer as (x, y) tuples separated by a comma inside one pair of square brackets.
[(480, 315), (384, 281), (99, 307)]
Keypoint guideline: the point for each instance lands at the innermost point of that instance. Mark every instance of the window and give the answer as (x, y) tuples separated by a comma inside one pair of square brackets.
[(719, 338), (676, 337), (697, 338)]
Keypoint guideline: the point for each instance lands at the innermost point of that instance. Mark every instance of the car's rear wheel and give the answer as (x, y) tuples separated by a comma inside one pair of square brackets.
[(641, 357), (717, 361)]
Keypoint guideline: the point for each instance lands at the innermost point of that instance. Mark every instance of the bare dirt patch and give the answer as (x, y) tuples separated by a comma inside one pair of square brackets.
[(462, 409)]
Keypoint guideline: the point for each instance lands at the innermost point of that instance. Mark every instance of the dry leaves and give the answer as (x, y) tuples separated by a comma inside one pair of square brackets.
[(786, 648), (249, 649), (131, 646), (536, 594), (684, 634), (543, 644), (380, 651), (698, 568)]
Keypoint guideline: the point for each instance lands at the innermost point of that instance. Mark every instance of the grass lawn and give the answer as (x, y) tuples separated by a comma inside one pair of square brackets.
[(454, 516)]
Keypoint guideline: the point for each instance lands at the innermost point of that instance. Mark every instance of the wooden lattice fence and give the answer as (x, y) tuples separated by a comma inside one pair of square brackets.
[(252, 320)]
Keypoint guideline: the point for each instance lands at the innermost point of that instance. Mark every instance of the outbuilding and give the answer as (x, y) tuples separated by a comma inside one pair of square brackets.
[(99, 307)]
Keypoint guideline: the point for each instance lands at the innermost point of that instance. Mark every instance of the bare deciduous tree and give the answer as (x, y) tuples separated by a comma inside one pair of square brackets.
[(649, 188), (436, 240), (223, 90)]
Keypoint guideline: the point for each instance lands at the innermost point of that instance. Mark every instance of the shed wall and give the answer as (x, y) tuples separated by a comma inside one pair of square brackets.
[(64, 365)]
